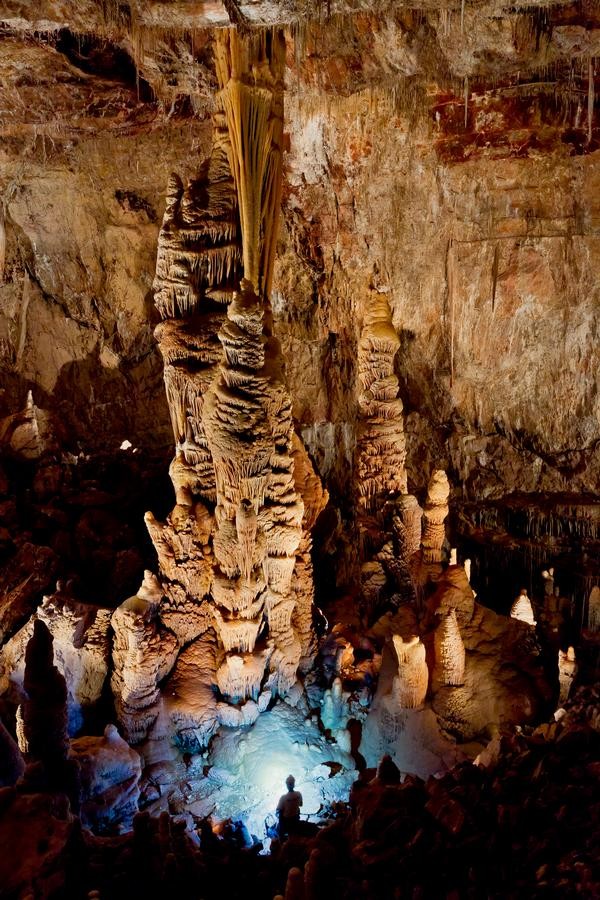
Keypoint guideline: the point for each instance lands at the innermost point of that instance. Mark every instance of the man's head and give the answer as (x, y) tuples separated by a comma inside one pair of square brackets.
[(290, 782)]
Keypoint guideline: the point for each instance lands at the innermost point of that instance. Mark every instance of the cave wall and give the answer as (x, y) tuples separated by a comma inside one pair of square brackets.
[(447, 159)]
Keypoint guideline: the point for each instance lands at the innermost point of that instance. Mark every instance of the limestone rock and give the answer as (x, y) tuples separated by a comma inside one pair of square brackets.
[(81, 651), (109, 774)]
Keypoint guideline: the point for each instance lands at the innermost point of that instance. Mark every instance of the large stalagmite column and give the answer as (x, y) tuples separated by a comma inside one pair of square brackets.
[(248, 423), (381, 450), (232, 594), (434, 517), (248, 416)]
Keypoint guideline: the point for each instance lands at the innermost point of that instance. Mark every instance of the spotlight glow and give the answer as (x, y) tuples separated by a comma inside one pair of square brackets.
[(249, 768)]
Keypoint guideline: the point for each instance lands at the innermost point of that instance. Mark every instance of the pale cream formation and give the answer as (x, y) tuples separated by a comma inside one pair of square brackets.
[(410, 684), (522, 609)]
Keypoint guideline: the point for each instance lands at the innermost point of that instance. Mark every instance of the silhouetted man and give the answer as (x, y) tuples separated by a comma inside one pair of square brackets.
[(288, 809)]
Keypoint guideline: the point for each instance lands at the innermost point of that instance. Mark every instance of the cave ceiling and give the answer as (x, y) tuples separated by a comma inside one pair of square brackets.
[(444, 152)]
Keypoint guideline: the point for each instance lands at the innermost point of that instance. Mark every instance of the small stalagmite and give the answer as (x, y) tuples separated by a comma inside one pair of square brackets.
[(434, 517), (593, 617), (522, 609), (449, 651), (410, 684), (567, 670)]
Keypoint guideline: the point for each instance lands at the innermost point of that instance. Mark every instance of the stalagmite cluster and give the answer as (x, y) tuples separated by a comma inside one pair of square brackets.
[(449, 651), (381, 445)]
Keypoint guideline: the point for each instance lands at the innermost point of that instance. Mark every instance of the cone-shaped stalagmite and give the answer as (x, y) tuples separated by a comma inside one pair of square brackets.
[(449, 651), (522, 609)]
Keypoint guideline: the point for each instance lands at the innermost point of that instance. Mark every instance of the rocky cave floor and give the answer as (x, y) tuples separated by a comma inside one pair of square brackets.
[(523, 821)]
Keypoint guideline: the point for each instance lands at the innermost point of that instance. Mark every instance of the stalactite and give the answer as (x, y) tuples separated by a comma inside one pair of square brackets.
[(250, 72)]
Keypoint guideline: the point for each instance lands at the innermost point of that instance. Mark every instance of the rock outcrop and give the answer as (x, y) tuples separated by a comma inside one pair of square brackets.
[(109, 774)]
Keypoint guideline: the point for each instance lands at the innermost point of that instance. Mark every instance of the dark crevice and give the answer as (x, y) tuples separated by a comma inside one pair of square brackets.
[(98, 56)]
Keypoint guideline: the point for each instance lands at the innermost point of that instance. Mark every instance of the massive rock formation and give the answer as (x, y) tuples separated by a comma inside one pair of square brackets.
[(108, 777), (422, 144), (227, 552)]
